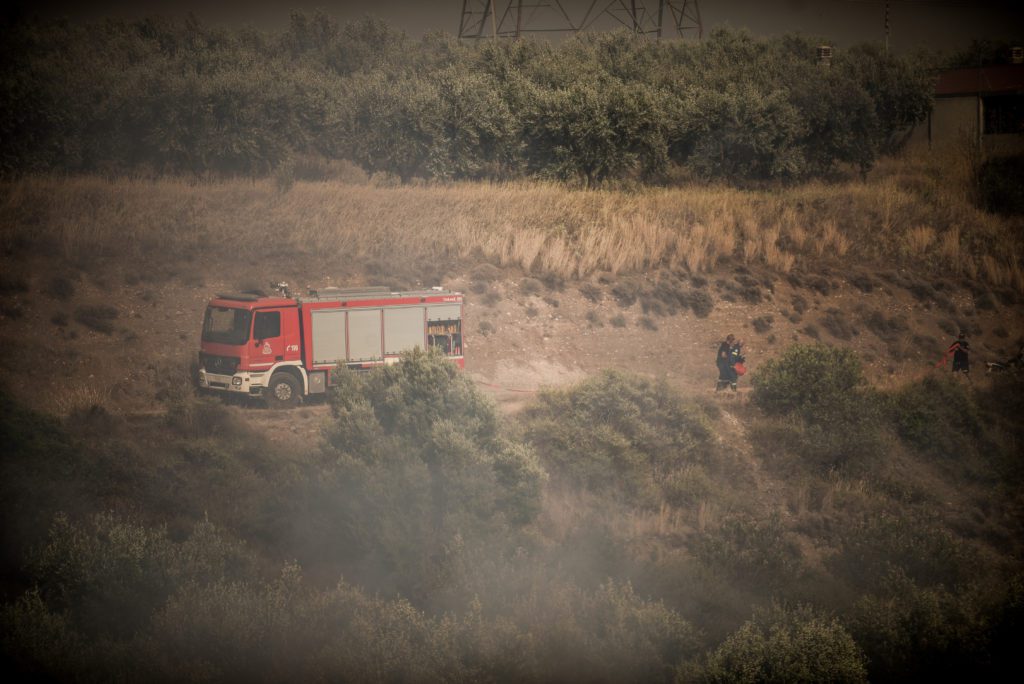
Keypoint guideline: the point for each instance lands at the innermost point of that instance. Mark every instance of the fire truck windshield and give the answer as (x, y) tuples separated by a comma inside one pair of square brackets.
[(224, 325)]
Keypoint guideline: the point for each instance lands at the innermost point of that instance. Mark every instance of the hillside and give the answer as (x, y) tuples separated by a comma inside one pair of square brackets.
[(570, 282), (643, 527)]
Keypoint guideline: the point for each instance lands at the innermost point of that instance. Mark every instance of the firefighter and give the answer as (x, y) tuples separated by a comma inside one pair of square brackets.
[(959, 349), (729, 354)]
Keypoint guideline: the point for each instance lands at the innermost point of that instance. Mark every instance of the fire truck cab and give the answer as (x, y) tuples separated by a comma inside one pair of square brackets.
[(282, 348)]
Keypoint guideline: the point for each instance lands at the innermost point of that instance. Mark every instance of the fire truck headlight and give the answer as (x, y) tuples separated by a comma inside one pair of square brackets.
[(236, 381)]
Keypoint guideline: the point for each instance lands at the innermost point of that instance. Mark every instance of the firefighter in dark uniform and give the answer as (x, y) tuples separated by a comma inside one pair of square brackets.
[(728, 354), (959, 349)]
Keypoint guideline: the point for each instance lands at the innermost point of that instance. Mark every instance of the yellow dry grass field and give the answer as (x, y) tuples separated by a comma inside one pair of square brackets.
[(903, 214)]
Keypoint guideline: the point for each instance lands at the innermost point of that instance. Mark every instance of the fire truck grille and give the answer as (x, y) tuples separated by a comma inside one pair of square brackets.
[(220, 365)]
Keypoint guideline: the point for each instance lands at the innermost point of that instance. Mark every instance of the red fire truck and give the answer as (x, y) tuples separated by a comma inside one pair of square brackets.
[(282, 348)]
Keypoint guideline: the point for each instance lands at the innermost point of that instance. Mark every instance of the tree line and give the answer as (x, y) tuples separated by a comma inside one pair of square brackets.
[(160, 96)]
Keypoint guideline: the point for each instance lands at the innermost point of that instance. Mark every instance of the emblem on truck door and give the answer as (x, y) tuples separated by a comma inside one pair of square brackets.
[(266, 349)]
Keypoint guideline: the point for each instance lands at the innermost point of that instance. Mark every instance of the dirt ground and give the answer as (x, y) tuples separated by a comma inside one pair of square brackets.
[(516, 343)]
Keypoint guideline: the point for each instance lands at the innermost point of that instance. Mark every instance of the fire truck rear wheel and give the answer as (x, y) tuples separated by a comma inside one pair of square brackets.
[(283, 391)]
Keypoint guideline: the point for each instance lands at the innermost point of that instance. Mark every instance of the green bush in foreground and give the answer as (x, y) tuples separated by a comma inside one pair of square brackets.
[(619, 434), (827, 413), (911, 632), (914, 544), (937, 416), (787, 646), (753, 552), (415, 474), (811, 380), (200, 609)]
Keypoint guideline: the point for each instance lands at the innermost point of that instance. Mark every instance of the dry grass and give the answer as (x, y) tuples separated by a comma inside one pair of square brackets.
[(539, 228), (707, 516), (919, 240), (80, 398), (949, 249), (646, 524)]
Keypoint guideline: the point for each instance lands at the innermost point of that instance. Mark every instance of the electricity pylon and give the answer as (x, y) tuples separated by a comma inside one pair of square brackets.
[(513, 18)]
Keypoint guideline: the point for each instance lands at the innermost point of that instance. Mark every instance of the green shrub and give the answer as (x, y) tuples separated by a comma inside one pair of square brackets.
[(913, 544), (787, 645), (688, 486), (618, 434), (1001, 406), (835, 323), (591, 292), (37, 642), (757, 553), (416, 465), (204, 614), (198, 417), (665, 296), (408, 398), (530, 286), (810, 380), (700, 302), (608, 634), (111, 574), (637, 640), (888, 329), (626, 292), (40, 459), (850, 436), (937, 416), (915, 633), (652, 305), (520, 480), (825, 411), (647, 323)]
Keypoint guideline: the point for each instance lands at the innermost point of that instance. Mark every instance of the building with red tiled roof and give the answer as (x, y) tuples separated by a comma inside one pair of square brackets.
[(982, 105)]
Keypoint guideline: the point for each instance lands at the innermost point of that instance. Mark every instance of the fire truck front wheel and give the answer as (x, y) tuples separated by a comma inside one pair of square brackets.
[(283, 391)]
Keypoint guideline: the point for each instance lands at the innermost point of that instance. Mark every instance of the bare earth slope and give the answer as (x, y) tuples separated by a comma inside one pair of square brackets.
[(522, 335)]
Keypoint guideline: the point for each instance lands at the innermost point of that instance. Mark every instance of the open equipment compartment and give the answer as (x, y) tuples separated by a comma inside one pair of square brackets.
[(444, 328)]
